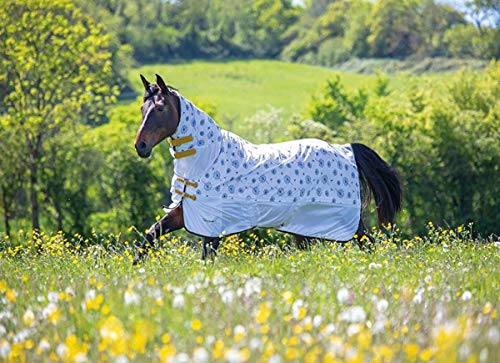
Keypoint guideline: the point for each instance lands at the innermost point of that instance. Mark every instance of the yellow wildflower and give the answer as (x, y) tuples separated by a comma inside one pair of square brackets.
[(113, 337), (166, 352), (196, 325), (411, 351), (263, 313)]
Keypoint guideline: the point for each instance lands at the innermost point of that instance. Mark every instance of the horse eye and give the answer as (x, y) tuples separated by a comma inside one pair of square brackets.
[(161, 108)]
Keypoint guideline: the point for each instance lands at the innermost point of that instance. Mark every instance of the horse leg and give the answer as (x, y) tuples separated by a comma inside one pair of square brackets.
[(170, 222), (361, 233), (302, 242), (210, 245)]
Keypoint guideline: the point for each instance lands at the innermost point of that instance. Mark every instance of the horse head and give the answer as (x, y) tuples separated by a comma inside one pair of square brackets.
[(160, 116)]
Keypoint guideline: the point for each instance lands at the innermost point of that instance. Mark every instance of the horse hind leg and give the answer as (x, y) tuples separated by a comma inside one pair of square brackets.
[(210, 245), (362, 237), (303, 242)]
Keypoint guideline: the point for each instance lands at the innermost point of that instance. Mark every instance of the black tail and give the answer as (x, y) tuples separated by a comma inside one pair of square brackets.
[(377, 176)]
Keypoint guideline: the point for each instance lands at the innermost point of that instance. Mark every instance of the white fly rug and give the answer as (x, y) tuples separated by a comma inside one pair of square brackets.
[(229, 185)]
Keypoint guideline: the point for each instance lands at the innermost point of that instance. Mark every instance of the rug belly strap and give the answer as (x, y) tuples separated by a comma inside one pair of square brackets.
[(180, 141), (185, 195), (185, 153)]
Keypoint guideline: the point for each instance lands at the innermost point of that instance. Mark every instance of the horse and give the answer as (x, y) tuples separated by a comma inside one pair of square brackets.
[(223, 184)]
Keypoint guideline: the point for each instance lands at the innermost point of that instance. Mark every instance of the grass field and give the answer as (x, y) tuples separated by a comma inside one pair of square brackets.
[(240, 88), (433, 298)]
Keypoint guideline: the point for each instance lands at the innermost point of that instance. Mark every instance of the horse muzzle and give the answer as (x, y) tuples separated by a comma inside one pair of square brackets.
[(142, 149)]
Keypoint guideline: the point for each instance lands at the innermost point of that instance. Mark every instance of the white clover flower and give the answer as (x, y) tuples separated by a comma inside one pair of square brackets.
[(353, 329), (53, 296), (252, 286), (90, 294), (353, 314), (374, 265), (239, 330), (493, 335), (200, 355), (483, 355), (227, 296), (218, 279), (343, 295), (22, 335), (4, 349), (80, 358), (255, 343), (464, 351), (329, 329), (62, 351), (274, 359), (466, 296), (317, 320), (49, 310), (130, 297), (234, 356), (178, 301), (190, 289), (210, 339), (382, 305), (181, 358), (419, 296), (44, 345), (379, 324), (121, 359)]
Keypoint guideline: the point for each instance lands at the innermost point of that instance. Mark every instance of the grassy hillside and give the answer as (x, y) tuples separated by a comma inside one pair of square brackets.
[(241, 88)]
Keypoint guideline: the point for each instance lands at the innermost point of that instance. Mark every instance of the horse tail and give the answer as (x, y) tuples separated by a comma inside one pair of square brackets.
[(378, 177)]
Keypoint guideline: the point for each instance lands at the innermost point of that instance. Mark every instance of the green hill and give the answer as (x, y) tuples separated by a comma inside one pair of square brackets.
[(241, 88)]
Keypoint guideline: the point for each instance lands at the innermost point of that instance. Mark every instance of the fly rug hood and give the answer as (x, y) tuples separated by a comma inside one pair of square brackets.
[(223, 184)]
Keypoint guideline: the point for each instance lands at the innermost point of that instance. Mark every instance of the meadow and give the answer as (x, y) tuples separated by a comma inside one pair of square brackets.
[(70, 298), (239, 89), (433, 298)]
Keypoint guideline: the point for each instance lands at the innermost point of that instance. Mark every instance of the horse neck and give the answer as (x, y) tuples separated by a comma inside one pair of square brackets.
[(206, 140)]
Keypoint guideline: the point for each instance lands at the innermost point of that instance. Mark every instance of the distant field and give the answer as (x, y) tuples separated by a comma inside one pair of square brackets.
[(241, 88)]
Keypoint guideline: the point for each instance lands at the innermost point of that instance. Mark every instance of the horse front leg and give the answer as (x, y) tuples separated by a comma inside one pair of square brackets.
[(170, 222), (210, 245)]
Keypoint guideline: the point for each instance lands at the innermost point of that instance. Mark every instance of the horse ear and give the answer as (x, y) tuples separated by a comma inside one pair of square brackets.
[(145, 82), (161, 84)]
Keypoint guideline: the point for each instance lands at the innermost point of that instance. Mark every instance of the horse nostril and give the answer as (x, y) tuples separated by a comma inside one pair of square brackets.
[(142, 145)]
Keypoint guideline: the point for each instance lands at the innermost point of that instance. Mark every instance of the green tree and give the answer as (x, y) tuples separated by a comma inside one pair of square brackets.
[(335, 106), (12, 173), (394, 29), (57, 69)]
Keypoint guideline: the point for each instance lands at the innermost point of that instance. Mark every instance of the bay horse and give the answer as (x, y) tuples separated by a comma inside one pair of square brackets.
[(223, 184)]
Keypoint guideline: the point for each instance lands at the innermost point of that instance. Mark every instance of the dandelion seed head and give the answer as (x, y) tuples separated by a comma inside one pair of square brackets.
[(342, 295), (466, 296)]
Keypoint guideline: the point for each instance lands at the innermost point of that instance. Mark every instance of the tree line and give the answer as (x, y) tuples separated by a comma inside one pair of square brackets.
[(322, 32)]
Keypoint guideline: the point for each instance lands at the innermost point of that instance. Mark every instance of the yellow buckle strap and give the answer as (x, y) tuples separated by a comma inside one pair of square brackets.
[(185, 195), (189, 183), (182, 140), (183, 154)]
